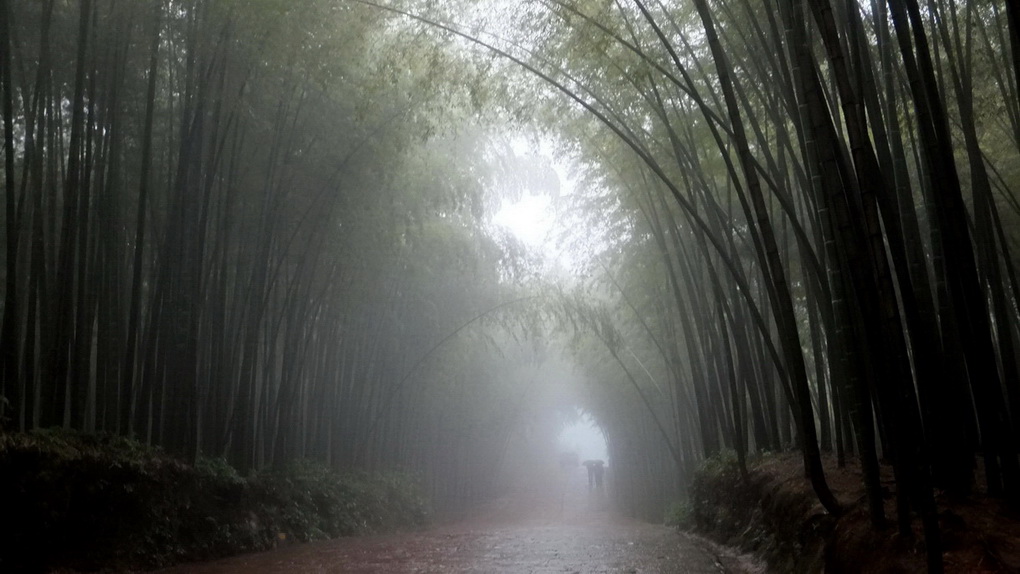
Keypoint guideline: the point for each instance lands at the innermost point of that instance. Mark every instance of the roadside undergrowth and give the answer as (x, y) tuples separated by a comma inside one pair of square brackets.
[(775, 515), (100, 502)]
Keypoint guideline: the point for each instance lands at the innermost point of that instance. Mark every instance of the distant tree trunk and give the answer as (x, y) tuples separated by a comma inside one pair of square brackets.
[(130, 370), (80, 380), (59, 377), (11, 387)]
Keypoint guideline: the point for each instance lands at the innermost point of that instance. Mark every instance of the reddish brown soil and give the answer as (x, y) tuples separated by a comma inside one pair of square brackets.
[(563, 528), (980, 535)]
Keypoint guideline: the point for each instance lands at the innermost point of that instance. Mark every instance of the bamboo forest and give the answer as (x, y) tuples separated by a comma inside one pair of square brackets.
[(510, 285)]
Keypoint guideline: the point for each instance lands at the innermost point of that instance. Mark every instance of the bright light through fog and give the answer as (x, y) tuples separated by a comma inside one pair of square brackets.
[(584, 438), (530, 219)]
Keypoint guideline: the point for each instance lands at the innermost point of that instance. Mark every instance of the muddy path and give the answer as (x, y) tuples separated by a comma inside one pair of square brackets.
[(563, 528)]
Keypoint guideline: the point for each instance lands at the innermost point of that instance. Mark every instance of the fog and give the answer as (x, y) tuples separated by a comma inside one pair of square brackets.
[(583, 437)]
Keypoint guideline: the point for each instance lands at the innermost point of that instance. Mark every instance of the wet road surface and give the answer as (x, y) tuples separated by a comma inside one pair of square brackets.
[(564, 529)]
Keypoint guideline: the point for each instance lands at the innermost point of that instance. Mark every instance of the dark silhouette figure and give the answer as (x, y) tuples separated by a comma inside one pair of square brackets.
[(596, 471)]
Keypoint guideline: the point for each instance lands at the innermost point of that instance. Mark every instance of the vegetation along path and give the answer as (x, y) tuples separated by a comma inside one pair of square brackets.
[(561, 527), (425, 238)]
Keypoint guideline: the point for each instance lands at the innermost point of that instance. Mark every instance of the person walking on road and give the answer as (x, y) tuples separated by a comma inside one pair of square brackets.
[(596, 472)]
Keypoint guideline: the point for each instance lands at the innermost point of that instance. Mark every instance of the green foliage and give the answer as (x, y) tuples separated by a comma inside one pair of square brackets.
[(217, 469), (700, 508), (721, 466), (679, 515), (308, 501), (115, 502), (718, 499)]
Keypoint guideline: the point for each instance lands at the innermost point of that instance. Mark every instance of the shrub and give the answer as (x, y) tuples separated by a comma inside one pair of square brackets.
[(679, 515), (719, 501), (100, 501), (308, 501)]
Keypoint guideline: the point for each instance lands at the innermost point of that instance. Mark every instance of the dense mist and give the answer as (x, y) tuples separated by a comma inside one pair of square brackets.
[(430, 237)]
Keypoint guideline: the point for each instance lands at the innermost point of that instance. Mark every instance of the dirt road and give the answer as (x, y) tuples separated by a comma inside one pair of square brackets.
[(562, 529)]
